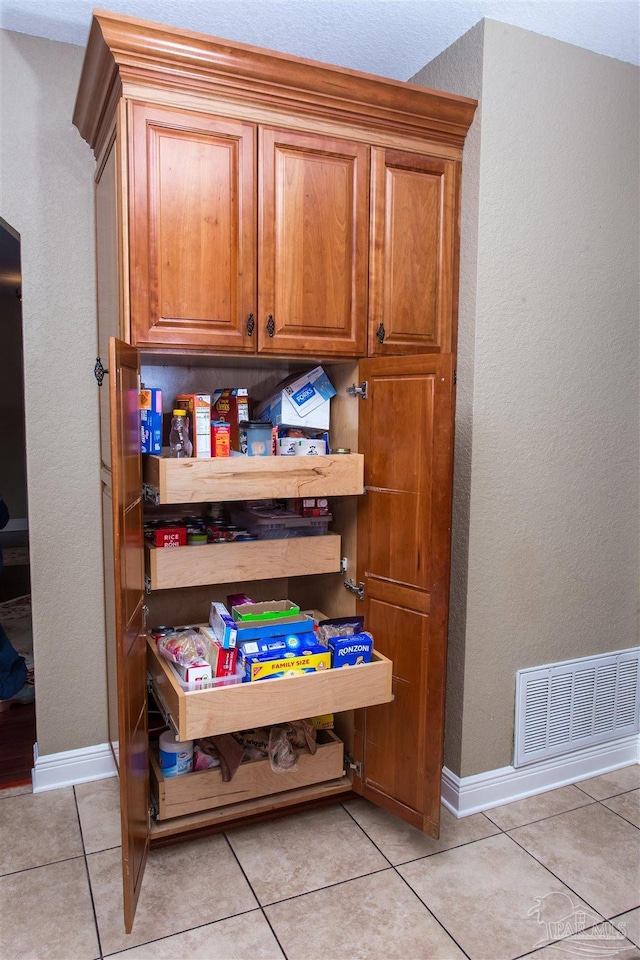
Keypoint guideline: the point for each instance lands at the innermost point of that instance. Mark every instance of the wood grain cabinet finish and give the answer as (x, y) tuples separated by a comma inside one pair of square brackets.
[(192, 218), (235, 184), (245, 250), (413, 253), (312, 242)]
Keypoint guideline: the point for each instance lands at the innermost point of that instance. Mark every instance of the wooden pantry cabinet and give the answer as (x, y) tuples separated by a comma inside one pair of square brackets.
[(257, 214)]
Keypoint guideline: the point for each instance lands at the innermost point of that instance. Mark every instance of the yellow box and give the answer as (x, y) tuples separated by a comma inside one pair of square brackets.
[(323, 722), (257, 669)]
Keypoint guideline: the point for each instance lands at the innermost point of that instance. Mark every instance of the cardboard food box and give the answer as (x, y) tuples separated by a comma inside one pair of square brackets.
[(261, 630), (168, 536), (231, 406), (220, 438), (263, 667), (150, 403), (223, 659), (351, 651), (277, 647), (222, 625), (301, 400), (267, 610), (198, 406), (197, 671)]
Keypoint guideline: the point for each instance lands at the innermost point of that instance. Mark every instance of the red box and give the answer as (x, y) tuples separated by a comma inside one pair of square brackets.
[(169, 537), (232, 406), (220, 439), (223, 659)]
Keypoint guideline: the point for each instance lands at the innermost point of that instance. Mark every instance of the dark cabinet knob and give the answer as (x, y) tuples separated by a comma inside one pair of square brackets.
[(380, 334), (250, 324), (271, 326)]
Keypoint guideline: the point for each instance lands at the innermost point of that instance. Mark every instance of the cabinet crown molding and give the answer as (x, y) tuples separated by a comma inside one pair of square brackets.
[(124, 51)]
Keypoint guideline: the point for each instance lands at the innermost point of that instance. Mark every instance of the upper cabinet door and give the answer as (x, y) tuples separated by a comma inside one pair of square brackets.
[(413, 254), (313, 233), (192, 230)]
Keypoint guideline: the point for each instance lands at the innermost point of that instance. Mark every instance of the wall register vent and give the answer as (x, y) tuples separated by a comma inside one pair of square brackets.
[(561, 707)]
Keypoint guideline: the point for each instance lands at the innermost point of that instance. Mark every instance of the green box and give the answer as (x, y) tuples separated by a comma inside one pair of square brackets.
[(268, 610)]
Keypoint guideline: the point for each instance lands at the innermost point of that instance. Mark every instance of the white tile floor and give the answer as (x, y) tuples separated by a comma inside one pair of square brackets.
[(553, 877)]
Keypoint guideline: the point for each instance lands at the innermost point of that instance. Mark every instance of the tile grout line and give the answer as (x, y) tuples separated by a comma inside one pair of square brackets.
[(563, 882), (622, 817), (552, 943), (406, 882), (260, 906), (549, 816), (86, 867)]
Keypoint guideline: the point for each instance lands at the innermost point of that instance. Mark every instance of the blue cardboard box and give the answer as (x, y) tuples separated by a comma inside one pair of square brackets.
[(351, 651), (278, 646), (150, 403), (274, 628)]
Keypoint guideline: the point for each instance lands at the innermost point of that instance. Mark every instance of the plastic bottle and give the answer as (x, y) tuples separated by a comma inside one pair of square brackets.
[(176, 756), (179, 443)]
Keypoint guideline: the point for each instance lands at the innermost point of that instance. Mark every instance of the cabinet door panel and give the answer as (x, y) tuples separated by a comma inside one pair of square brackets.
[(313, 225), (130, 634), (413, 253), (192, 229), (406, 432)]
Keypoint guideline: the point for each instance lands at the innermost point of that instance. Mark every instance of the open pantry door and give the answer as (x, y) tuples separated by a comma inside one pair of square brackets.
[(404, 527), (129, 626)]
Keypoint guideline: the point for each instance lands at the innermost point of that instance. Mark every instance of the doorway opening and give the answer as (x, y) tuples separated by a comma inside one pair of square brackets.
[(17, 703)]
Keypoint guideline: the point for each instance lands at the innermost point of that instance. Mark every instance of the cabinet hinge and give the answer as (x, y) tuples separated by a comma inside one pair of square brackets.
[(344, 563), (150, 494), (152, 811), (357, 588), (360, 391), (455, 377), (147, 583), (352, 764)]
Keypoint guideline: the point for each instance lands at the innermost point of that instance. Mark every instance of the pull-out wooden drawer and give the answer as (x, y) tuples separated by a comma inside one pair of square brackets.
[(251, 560), (206, 790), (252, 478), (202, 713)]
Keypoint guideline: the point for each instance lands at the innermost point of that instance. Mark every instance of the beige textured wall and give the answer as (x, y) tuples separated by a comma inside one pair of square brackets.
[(46, 195), (459, 70), (552, 535)]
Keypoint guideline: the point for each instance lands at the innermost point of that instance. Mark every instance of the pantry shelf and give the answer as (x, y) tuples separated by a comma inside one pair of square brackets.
[(205, 789), (253, 478), (172, 567), (204, 713)]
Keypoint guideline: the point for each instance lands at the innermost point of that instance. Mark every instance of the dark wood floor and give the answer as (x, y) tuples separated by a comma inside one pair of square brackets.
[(18, 723), (17, 737)]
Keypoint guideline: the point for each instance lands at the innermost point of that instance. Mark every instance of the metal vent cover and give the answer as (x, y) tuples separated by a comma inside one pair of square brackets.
[(561, 707)]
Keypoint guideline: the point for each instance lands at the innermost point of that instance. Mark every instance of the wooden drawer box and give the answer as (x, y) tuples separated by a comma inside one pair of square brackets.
[(253, 478), (206, 790), (202, 713), (170, 567)]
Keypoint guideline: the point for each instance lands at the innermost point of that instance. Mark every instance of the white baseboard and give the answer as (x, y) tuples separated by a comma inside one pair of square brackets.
[(73, 766), (463, 796)]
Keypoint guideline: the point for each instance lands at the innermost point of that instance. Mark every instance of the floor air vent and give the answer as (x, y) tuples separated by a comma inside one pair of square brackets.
[(561, 707)]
